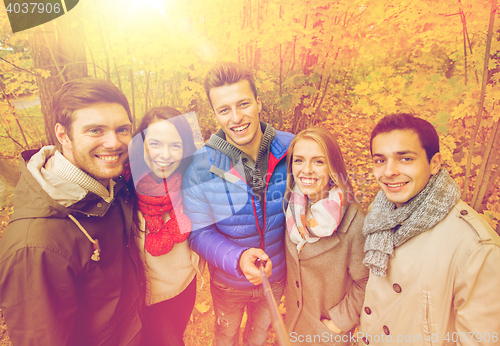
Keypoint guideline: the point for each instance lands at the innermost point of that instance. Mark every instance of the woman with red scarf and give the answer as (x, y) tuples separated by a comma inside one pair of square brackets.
[(160, 152)]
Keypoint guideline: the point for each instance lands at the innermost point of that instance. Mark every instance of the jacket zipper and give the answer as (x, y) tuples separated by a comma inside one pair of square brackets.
[(261, 231)]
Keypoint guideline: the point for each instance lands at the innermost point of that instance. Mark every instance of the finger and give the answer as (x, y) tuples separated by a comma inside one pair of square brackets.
[(256, 281), (269, 268)]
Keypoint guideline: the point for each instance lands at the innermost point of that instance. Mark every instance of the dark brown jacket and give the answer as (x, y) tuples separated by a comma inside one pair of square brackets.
[(51, 291)]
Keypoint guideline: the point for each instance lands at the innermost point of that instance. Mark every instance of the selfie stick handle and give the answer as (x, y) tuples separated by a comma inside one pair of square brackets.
[(276, 319)]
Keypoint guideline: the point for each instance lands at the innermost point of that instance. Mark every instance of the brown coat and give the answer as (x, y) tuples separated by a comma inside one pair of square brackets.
[(326, 280), (441, 287), (51, 291)]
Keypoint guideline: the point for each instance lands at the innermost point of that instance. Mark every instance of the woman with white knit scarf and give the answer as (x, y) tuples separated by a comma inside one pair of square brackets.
[(326, 278)]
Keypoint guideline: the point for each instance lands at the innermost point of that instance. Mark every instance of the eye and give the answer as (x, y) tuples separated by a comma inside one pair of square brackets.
[(124, 130), (318, 162), (297, 160), (176, 146), (154, 144), (224, 111), (406, 159), (378, 161), (95, 131), (244, 104)]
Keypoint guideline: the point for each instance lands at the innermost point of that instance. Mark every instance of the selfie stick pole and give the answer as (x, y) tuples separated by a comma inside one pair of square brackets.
[(276, 319)]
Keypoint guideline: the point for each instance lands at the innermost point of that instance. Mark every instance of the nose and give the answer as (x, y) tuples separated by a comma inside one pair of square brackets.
[(111, 141), (307, 168), (391, 168), (237, 116), (165, 152)]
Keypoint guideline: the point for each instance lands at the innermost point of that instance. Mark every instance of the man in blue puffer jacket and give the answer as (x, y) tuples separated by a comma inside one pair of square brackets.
[(233, 194)]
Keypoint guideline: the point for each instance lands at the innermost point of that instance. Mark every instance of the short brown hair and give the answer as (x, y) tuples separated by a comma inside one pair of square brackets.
[(83, 93), (227, 73), (427, 134)]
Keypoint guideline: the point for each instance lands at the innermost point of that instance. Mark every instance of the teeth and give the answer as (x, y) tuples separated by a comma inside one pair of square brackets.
[(109, 158), (240, 128), (395, 185), (307, 181), (163, 164)]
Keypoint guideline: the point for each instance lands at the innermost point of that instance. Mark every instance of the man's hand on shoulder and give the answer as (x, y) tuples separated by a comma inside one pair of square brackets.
[(248, 265)]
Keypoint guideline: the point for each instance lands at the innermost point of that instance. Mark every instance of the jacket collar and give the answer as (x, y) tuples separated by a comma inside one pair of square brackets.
[(230, 170), (33, 200)]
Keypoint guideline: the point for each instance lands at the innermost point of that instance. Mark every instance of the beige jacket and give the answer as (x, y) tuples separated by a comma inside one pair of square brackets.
[(442, 287), (326, 280), (169, 274)]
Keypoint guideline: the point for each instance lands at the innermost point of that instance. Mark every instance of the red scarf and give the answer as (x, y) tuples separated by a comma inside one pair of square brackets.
[(155, 199)]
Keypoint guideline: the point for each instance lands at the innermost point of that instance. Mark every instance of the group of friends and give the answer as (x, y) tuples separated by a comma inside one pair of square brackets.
[(111, 229)]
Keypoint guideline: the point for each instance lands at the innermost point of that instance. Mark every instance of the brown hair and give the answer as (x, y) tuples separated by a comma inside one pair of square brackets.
[(83, 93), (227, 73), (334, 159)]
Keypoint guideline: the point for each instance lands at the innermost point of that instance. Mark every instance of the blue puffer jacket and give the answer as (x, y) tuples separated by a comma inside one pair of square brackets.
[(227, 217)]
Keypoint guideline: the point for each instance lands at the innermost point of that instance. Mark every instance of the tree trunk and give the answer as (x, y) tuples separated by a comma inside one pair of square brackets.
[(483, 177), (59, 48), (481, 98)]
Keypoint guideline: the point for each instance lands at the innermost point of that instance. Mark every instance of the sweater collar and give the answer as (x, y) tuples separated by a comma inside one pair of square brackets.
[(218, 142)]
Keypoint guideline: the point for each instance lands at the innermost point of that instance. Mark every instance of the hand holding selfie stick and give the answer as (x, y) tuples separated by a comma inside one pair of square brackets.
[(276, 319)]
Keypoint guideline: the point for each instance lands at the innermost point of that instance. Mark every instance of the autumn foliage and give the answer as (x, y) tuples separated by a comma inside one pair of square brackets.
[(340, 64)]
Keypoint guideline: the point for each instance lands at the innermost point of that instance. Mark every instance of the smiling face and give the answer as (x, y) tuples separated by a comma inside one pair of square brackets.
[(237, 111), (310, 169), (163, 148), (401, 166), (98, 140)]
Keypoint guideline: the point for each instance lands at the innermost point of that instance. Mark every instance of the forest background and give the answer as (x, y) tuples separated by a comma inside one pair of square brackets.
[(342, 65)]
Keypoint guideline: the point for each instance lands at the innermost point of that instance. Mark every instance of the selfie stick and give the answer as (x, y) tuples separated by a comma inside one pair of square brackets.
[(276, 319)]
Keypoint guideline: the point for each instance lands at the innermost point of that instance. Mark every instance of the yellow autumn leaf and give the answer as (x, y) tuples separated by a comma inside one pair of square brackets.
[(44, 73), (244, 320), (266, 86), (476, 160), (202, 307)]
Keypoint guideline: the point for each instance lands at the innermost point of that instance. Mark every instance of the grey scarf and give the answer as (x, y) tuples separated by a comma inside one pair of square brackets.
[(387, 227)]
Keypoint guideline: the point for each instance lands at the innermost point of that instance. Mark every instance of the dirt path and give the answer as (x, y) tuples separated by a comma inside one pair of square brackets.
[(26, 102)]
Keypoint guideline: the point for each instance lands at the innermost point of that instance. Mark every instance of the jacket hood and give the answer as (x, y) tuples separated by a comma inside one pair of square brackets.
[(42, 194)]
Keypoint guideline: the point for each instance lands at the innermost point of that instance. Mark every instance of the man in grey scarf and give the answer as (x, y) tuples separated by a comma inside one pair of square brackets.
[(435, 263)]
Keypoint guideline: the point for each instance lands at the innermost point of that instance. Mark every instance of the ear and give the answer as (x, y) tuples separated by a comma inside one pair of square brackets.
[(259, 103), (62, 136), (435, 163)]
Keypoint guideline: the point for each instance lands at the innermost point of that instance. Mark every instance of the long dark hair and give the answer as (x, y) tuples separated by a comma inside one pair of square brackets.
[(138, 166)]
